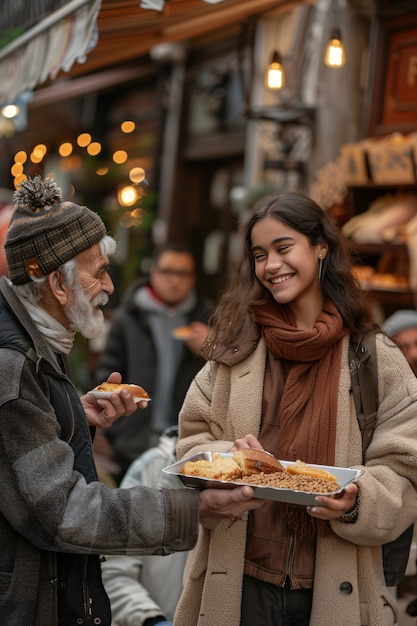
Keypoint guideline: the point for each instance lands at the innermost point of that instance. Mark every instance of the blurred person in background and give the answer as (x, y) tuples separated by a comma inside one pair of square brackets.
[(402, 328), (138, 596), (141, 346)]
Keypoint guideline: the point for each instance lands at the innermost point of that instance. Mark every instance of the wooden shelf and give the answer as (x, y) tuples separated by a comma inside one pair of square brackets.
[(393, 299), (376, 249), (381, 256), (360, 197)]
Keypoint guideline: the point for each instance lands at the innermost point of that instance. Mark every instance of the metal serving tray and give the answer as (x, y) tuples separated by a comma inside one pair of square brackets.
[(344, 476)]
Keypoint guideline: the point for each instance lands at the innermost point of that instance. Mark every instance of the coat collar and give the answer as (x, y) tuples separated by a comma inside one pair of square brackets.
[(232, 355), (41, 347)]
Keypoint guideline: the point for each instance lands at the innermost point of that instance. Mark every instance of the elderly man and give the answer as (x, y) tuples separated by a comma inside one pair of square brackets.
[(55, 517), (402, 327)]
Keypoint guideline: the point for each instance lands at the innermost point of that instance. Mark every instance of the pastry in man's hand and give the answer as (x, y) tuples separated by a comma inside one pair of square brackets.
[(136, 390)]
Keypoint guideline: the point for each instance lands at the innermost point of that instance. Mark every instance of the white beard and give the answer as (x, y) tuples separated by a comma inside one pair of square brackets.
[(83, 315)]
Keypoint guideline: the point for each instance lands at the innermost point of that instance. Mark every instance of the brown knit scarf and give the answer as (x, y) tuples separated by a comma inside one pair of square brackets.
[(308, 407)]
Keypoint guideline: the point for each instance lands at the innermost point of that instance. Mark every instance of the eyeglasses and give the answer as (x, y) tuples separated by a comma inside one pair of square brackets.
[(169, 273)]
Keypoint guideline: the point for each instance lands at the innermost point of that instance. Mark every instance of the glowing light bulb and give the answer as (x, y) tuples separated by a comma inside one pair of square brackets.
[(335, 52), (275, 77)]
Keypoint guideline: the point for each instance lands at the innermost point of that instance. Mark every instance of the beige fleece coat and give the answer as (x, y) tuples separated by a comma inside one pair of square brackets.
[(223, 404)]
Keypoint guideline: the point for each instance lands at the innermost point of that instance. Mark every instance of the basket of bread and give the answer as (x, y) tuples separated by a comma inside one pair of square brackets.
[(294, 482)]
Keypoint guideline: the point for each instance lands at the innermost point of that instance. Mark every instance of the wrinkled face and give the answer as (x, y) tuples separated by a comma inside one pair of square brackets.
[(408, 343), (286, 263), (91, 290), (173, 277)]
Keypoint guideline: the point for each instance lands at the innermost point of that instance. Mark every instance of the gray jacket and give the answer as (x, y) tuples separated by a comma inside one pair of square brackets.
[(47, 507), (141, 587)]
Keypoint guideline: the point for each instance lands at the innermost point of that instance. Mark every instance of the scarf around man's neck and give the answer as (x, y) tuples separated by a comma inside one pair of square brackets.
[(308, 408), (53, 331)]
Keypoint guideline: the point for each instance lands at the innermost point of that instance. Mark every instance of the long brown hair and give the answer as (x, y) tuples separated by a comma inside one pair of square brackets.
[(232, 316)]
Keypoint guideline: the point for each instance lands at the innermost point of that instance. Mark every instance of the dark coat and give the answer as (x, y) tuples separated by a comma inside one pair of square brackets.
[(130, 350), (46, 505)]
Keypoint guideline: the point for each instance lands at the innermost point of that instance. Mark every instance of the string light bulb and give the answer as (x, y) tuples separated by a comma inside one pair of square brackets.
[(10, 111), (335, 52), (275, 77)]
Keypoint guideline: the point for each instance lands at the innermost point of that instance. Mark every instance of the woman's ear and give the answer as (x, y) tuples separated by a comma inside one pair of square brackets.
[(323, 251), (58, 287)]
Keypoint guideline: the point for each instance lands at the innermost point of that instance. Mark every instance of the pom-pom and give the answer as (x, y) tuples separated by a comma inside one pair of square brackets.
[(37, 194)]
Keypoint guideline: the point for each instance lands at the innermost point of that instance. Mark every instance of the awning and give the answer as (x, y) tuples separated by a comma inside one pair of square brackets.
[(158, 5), (105, 33), (56, 42)]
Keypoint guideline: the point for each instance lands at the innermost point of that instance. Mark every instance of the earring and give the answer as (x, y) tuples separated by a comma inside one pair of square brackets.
[(320, 267)]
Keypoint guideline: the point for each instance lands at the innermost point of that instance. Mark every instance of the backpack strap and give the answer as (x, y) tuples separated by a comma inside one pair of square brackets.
[(362, 360), (363, 369)]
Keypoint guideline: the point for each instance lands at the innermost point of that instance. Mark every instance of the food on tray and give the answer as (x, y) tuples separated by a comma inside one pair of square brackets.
[(220, 468), (253, 461), (296, 482), (181, 332), (135, 390), (258, 467), (241, 463), (315, 472)]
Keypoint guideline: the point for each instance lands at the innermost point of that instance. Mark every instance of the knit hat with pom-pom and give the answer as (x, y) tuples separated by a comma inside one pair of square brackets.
[(45, 232)]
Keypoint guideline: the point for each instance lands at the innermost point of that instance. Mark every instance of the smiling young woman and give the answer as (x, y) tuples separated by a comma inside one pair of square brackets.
[(278, 379)]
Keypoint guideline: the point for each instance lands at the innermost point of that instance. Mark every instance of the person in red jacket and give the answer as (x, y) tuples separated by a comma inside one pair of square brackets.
[(154, 340)]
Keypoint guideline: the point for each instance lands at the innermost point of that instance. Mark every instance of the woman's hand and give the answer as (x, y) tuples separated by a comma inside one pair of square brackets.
[(332, 507), (248, 441), (103, 412)]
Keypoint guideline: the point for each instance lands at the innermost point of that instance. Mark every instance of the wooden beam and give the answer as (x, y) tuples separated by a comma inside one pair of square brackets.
[(100, 81), (128, 32)]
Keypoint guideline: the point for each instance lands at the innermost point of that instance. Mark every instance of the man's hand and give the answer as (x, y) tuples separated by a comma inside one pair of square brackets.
[(228, 503), (102, 412)]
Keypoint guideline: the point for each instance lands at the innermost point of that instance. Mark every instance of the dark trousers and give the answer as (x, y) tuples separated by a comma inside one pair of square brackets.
[(264, 604)]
